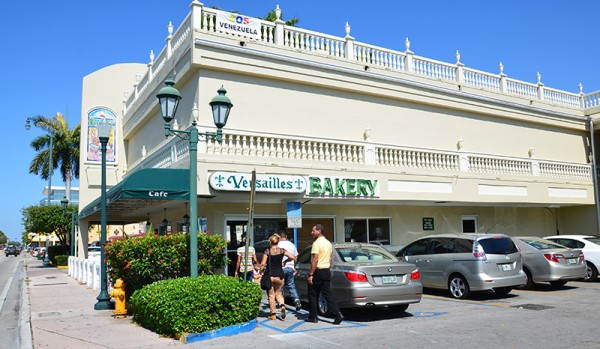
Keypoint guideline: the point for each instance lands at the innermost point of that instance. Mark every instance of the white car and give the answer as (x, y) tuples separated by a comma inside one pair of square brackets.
[(590, 245)]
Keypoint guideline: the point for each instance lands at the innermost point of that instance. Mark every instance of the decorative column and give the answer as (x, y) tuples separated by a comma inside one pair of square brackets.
[(540, 87), (196, 7), (168, 39), (279, 27), (460, 73), (502, 78), (408, 57), (349, 43)]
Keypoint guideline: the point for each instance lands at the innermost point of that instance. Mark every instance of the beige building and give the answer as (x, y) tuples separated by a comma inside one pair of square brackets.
[(376, 144)]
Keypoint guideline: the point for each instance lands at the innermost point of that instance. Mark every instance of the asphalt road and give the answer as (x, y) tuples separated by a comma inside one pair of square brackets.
[(11, 271), (545, 317)]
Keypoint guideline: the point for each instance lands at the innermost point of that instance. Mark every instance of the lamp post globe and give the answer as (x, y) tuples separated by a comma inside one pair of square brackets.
[(221, 106), (64, 203)]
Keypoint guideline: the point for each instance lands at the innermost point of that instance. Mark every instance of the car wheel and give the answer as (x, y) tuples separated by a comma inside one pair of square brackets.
[(592, 272), (558, 283), (400, 308), (458, 287), (502, 291), (322, 308), (529, 282)]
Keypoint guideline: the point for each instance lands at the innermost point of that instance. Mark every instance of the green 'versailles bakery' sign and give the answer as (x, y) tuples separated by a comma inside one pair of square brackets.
[(341, 186)]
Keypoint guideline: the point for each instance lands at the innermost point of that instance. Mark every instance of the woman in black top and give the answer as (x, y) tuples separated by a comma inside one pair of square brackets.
[(273, 263)]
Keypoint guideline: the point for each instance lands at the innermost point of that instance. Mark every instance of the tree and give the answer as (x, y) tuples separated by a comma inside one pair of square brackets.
[(3, 238), (45, 220), (65, 149), (272, 17)]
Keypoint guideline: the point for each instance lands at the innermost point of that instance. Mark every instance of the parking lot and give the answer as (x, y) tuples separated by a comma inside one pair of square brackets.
[(544, 317)]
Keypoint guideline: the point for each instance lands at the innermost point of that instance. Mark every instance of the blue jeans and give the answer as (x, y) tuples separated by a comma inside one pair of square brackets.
[(289, 286)]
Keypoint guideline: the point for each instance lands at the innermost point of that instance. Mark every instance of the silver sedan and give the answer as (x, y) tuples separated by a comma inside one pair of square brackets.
[(364, 275), (546, 261)]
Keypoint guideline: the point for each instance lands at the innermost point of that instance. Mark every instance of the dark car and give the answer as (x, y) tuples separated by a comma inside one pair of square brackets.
[(11, 250)]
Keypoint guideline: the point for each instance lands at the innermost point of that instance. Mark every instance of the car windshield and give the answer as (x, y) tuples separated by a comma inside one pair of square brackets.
[(541, 244), (594, 239), (498, 245), (360, 254)]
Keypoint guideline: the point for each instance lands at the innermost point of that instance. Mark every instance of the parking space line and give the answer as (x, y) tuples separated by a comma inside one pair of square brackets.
[(554, 293), (295, 324), (466, 301)]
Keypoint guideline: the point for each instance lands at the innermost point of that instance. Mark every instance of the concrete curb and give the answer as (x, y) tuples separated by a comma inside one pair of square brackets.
[(25, 336)]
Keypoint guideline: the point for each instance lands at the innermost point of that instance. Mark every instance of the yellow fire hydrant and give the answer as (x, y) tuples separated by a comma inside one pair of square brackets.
[(118, 293)]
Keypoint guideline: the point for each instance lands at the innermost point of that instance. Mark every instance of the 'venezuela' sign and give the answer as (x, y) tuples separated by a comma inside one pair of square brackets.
[(310, 185)]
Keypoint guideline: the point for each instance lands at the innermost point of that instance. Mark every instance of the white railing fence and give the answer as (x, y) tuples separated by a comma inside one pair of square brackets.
[(262, 148), (202, 19)]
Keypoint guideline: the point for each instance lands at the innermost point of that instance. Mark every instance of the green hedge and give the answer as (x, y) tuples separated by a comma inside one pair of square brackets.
[(143, 260), (62, 260), (54, 251), (195, 305)]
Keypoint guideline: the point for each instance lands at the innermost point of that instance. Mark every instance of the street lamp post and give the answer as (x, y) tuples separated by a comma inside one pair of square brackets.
[(65, 204), (103, 298), (168, 98), (50, 173)]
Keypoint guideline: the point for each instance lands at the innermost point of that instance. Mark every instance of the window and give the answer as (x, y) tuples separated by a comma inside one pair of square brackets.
[(441, 245), (416, 248), (373, 230), (463, 246), (469, 224)]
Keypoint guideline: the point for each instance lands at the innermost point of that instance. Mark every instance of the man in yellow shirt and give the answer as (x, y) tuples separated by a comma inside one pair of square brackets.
[(319, 277)]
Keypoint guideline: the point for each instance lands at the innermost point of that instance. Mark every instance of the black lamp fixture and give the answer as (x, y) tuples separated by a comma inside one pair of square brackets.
[(64, 203)]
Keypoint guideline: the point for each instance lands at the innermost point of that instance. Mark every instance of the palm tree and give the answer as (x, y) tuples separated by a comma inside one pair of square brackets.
[(272, 17), (65, 149)]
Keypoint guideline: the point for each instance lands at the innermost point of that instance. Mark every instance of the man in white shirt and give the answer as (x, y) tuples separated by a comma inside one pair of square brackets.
[(289, 269), (244, 263)]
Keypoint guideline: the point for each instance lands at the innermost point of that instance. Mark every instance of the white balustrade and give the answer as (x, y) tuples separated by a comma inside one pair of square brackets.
[(479, 79), (306, 40), (410, 158), (496, 165), (434, 69), (561, 97), (521, 89)]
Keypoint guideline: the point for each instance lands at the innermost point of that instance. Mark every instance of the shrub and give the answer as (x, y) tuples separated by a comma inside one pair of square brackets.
[(194, 305), (62, 260), (143, 260), (54, 251)]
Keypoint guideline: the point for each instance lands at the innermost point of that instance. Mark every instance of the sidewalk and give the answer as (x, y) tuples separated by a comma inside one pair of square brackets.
[(61, 315)]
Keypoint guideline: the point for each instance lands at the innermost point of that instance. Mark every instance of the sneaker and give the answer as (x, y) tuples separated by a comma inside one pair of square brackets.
[(282, 312), (298, 304), (272, 317), (338, 319), (311, 319)]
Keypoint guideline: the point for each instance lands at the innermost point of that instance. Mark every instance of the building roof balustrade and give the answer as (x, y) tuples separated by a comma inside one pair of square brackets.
[(202, 19)]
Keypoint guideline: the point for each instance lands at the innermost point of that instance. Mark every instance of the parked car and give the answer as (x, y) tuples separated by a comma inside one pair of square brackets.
[(547, 261), (364, 275), (94, 253), (590, 245), (38, 250), (11, 250), (463, 263)]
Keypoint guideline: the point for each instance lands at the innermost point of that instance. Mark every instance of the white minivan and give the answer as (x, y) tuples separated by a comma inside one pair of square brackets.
[(463, 263)]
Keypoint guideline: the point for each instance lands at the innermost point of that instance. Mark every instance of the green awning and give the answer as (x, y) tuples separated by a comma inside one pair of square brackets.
[(129, 200)]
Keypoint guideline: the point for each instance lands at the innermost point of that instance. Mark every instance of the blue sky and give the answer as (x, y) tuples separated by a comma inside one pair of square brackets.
[(49, 47)]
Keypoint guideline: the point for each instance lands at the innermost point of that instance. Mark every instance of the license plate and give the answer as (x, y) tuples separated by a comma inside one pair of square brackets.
[(506, 267), (572, 261), (389, 279)]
